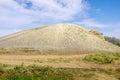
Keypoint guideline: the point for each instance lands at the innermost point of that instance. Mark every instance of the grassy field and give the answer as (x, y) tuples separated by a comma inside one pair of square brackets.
[(34, 72), (24, 64)]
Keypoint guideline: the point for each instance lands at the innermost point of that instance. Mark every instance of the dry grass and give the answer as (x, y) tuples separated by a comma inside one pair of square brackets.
[(72, 63), (51, 60), (34, 72), (66, 61)]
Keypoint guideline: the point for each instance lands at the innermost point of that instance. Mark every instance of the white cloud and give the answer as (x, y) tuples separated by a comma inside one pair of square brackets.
[(11, 14), (92, 23), (111, 29), (25, 13), (113, 33), (18, 12)]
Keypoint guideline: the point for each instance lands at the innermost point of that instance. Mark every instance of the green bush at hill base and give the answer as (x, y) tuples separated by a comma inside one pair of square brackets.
[(104, 58), (113, 40)]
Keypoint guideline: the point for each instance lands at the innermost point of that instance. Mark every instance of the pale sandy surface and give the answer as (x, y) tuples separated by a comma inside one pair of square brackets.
[(58, 37), (51, 60), (68, 61)]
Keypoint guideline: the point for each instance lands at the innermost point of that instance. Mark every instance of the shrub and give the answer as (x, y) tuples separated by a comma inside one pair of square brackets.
[(104, 58), (113, 40)]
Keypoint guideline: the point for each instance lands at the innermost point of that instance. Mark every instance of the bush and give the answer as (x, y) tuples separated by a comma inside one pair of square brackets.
[(113, 40), (104, 58)]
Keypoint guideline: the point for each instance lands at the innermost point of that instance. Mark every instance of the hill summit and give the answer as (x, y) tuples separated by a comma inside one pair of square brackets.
[(58, 37)]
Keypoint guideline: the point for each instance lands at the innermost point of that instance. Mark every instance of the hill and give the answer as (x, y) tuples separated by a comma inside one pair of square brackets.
[(59, 37)]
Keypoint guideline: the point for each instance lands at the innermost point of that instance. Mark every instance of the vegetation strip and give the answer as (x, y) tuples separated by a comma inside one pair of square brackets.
[(104, 58), (35, 72)]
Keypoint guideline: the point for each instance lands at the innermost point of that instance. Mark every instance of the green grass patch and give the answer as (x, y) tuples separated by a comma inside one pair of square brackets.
[(104, 58), (34, 72)]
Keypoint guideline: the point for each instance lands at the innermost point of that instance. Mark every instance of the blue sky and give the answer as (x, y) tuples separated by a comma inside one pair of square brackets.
[(101, 15)]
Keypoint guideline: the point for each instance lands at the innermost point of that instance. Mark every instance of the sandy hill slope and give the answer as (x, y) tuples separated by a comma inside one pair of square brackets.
[(62, 37)]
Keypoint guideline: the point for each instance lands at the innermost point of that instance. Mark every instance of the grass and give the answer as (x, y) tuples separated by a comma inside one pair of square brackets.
[(55, 60), (3, 49), (33, 51), (19, 51), (104, 58), (34, 72), (65, 60), (100, 35)]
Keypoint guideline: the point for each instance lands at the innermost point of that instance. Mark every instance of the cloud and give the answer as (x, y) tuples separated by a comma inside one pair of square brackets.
[(91, 23), (10, 13), (113, 33), (111, 29), (21, 12), (16, 15)]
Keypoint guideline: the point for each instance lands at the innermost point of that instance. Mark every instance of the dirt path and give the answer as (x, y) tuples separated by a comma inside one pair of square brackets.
[(66, 61), (70, 61)]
